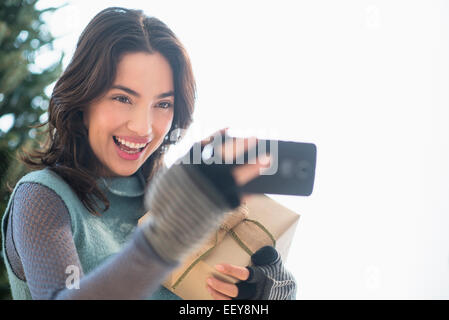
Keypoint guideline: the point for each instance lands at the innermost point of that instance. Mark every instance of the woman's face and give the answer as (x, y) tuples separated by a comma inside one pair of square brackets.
[(130, 121)]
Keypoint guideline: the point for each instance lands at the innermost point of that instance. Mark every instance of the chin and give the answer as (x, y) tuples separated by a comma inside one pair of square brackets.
[(125, 172)]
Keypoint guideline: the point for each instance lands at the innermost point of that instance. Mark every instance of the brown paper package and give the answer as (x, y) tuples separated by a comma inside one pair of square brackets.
[(243, 231)]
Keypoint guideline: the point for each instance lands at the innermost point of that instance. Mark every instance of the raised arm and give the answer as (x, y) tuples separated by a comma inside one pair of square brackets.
[(186, 204), (42, 238)]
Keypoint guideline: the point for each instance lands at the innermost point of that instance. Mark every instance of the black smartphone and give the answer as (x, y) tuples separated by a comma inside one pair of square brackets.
[(292, 171)]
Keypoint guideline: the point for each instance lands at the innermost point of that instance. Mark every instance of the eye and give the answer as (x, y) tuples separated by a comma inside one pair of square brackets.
[(122, 99), (165, 104)]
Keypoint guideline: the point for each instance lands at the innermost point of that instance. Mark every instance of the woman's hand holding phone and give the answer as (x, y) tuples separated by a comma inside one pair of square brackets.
[(232, 149), (262, 166)]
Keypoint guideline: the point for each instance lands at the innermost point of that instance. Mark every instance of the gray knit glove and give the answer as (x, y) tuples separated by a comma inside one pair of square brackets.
[(268, 279), (185, 208), (187, 202)]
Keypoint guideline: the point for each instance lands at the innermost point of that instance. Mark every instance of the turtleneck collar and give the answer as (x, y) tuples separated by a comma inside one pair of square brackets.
[(131, 186)]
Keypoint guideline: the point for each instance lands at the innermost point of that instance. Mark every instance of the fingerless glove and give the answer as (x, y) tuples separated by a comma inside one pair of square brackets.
[(187, 202), (268, 279)]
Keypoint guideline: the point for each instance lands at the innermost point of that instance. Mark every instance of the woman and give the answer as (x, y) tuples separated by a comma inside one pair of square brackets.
[(127, 89)]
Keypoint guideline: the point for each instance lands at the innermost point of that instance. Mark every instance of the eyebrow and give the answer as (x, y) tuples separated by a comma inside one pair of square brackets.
[(136, 94)]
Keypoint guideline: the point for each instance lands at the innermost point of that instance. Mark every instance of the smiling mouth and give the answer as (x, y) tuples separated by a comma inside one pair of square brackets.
[(128, 149)]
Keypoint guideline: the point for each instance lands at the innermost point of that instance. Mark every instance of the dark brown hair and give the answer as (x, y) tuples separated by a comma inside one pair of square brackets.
[(109, 35)]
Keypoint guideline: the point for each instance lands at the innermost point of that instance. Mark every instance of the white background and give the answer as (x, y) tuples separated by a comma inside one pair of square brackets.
[(368, 83)]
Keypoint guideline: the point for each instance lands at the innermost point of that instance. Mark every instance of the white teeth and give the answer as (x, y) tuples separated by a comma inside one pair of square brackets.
[(131, 144), (130, 152)]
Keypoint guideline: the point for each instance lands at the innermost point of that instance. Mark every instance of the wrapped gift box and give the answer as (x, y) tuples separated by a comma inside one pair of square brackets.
[(259, 222)]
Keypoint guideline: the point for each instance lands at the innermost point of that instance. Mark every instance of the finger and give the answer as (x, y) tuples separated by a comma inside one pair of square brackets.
[(216, 295), (234, 148), (238, 272), (246, 197), (228, 289), (245, 173)]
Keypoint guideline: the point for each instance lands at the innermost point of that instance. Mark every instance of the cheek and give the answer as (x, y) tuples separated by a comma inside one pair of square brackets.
[(103, 121), (163, 124)]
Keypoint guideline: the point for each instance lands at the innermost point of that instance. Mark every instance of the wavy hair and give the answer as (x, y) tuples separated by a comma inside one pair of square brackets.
[(109, 35)]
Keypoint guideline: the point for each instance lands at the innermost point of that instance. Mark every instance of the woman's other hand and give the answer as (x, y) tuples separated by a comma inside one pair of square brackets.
[(221, 290), (266, 279)]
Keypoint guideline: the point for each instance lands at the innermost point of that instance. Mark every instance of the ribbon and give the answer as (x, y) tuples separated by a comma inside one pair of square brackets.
[(231, 221)]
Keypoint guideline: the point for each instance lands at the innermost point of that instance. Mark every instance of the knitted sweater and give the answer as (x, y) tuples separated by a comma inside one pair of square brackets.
[(113, 259)]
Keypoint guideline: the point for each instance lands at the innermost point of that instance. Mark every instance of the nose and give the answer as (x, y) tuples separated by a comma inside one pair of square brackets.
[(141, 121)]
